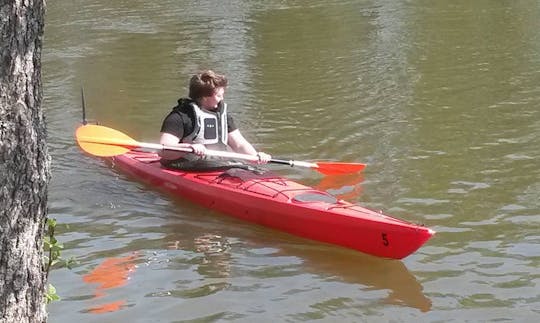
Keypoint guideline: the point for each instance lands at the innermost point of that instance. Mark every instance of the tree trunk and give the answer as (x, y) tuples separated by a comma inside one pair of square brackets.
[(24, 162)]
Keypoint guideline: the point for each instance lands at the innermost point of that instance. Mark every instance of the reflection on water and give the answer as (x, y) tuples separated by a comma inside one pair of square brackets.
[(346, 187), (111, 273), (217, 258), (369, 272), (214, 250)]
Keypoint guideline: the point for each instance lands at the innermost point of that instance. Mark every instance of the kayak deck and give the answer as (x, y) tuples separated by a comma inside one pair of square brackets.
[(282, 204)]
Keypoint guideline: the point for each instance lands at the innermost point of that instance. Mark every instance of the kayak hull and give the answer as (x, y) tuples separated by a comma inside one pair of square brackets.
[(282, 204)]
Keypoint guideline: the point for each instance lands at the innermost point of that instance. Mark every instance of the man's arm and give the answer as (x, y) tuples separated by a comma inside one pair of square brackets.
[(240, 145)]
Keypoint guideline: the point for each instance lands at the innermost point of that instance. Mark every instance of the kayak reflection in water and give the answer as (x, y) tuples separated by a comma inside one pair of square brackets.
[(201, 121), (111, 273)]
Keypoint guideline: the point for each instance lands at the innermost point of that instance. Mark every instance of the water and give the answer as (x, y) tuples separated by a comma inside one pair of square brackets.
[(439, 98)]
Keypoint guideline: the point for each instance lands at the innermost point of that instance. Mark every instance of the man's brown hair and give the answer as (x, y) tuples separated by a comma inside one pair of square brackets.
[(205, 83)]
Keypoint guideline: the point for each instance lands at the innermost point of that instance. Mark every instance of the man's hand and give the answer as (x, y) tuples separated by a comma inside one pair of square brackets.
[(198, 149), (263, 158)]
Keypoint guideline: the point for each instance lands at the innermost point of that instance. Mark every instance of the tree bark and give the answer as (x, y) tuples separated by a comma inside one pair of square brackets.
[(24, 162)]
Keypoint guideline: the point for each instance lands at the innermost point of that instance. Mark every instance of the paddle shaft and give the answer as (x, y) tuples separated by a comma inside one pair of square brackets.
[(227, 154)]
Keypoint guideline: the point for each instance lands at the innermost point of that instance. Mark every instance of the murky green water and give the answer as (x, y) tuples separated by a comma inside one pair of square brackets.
[(440, 98)]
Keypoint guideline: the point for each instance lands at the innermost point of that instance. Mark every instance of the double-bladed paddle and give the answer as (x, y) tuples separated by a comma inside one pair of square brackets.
[(106, 142)]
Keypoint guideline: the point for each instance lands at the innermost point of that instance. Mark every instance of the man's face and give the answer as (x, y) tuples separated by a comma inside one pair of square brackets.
[(211, 102)]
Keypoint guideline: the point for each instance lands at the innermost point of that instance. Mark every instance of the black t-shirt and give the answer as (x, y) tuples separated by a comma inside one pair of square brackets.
[(180, 123)]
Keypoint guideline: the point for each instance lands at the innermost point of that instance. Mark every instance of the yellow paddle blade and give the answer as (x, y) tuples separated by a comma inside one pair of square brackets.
[(103, 141)]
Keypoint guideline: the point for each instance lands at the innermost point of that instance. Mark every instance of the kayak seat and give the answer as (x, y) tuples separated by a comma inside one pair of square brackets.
[(315, 197)]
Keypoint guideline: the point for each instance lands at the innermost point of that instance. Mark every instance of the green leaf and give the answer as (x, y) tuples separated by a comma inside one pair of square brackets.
[(51, 223), (51, 295)]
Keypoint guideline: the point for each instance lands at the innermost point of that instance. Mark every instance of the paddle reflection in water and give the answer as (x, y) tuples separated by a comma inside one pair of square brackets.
[(111, 273), (345, 186)]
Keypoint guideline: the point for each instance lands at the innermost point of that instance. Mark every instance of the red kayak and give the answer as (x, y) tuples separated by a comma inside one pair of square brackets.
[(282, 204)]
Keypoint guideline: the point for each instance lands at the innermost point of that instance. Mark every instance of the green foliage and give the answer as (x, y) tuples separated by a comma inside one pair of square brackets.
[(52, 258), (50, 294)]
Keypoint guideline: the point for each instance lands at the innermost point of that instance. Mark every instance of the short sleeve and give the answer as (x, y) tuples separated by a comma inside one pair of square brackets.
[(174, 125)]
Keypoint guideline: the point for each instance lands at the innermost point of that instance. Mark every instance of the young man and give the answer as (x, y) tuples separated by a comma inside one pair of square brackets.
[(200, 122)]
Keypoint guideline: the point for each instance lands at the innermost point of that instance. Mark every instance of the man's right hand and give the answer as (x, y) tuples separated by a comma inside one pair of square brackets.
[(198, 149)]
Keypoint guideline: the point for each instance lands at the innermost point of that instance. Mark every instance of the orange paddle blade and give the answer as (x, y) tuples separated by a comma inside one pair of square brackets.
[(335, 168), (104, 142)]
